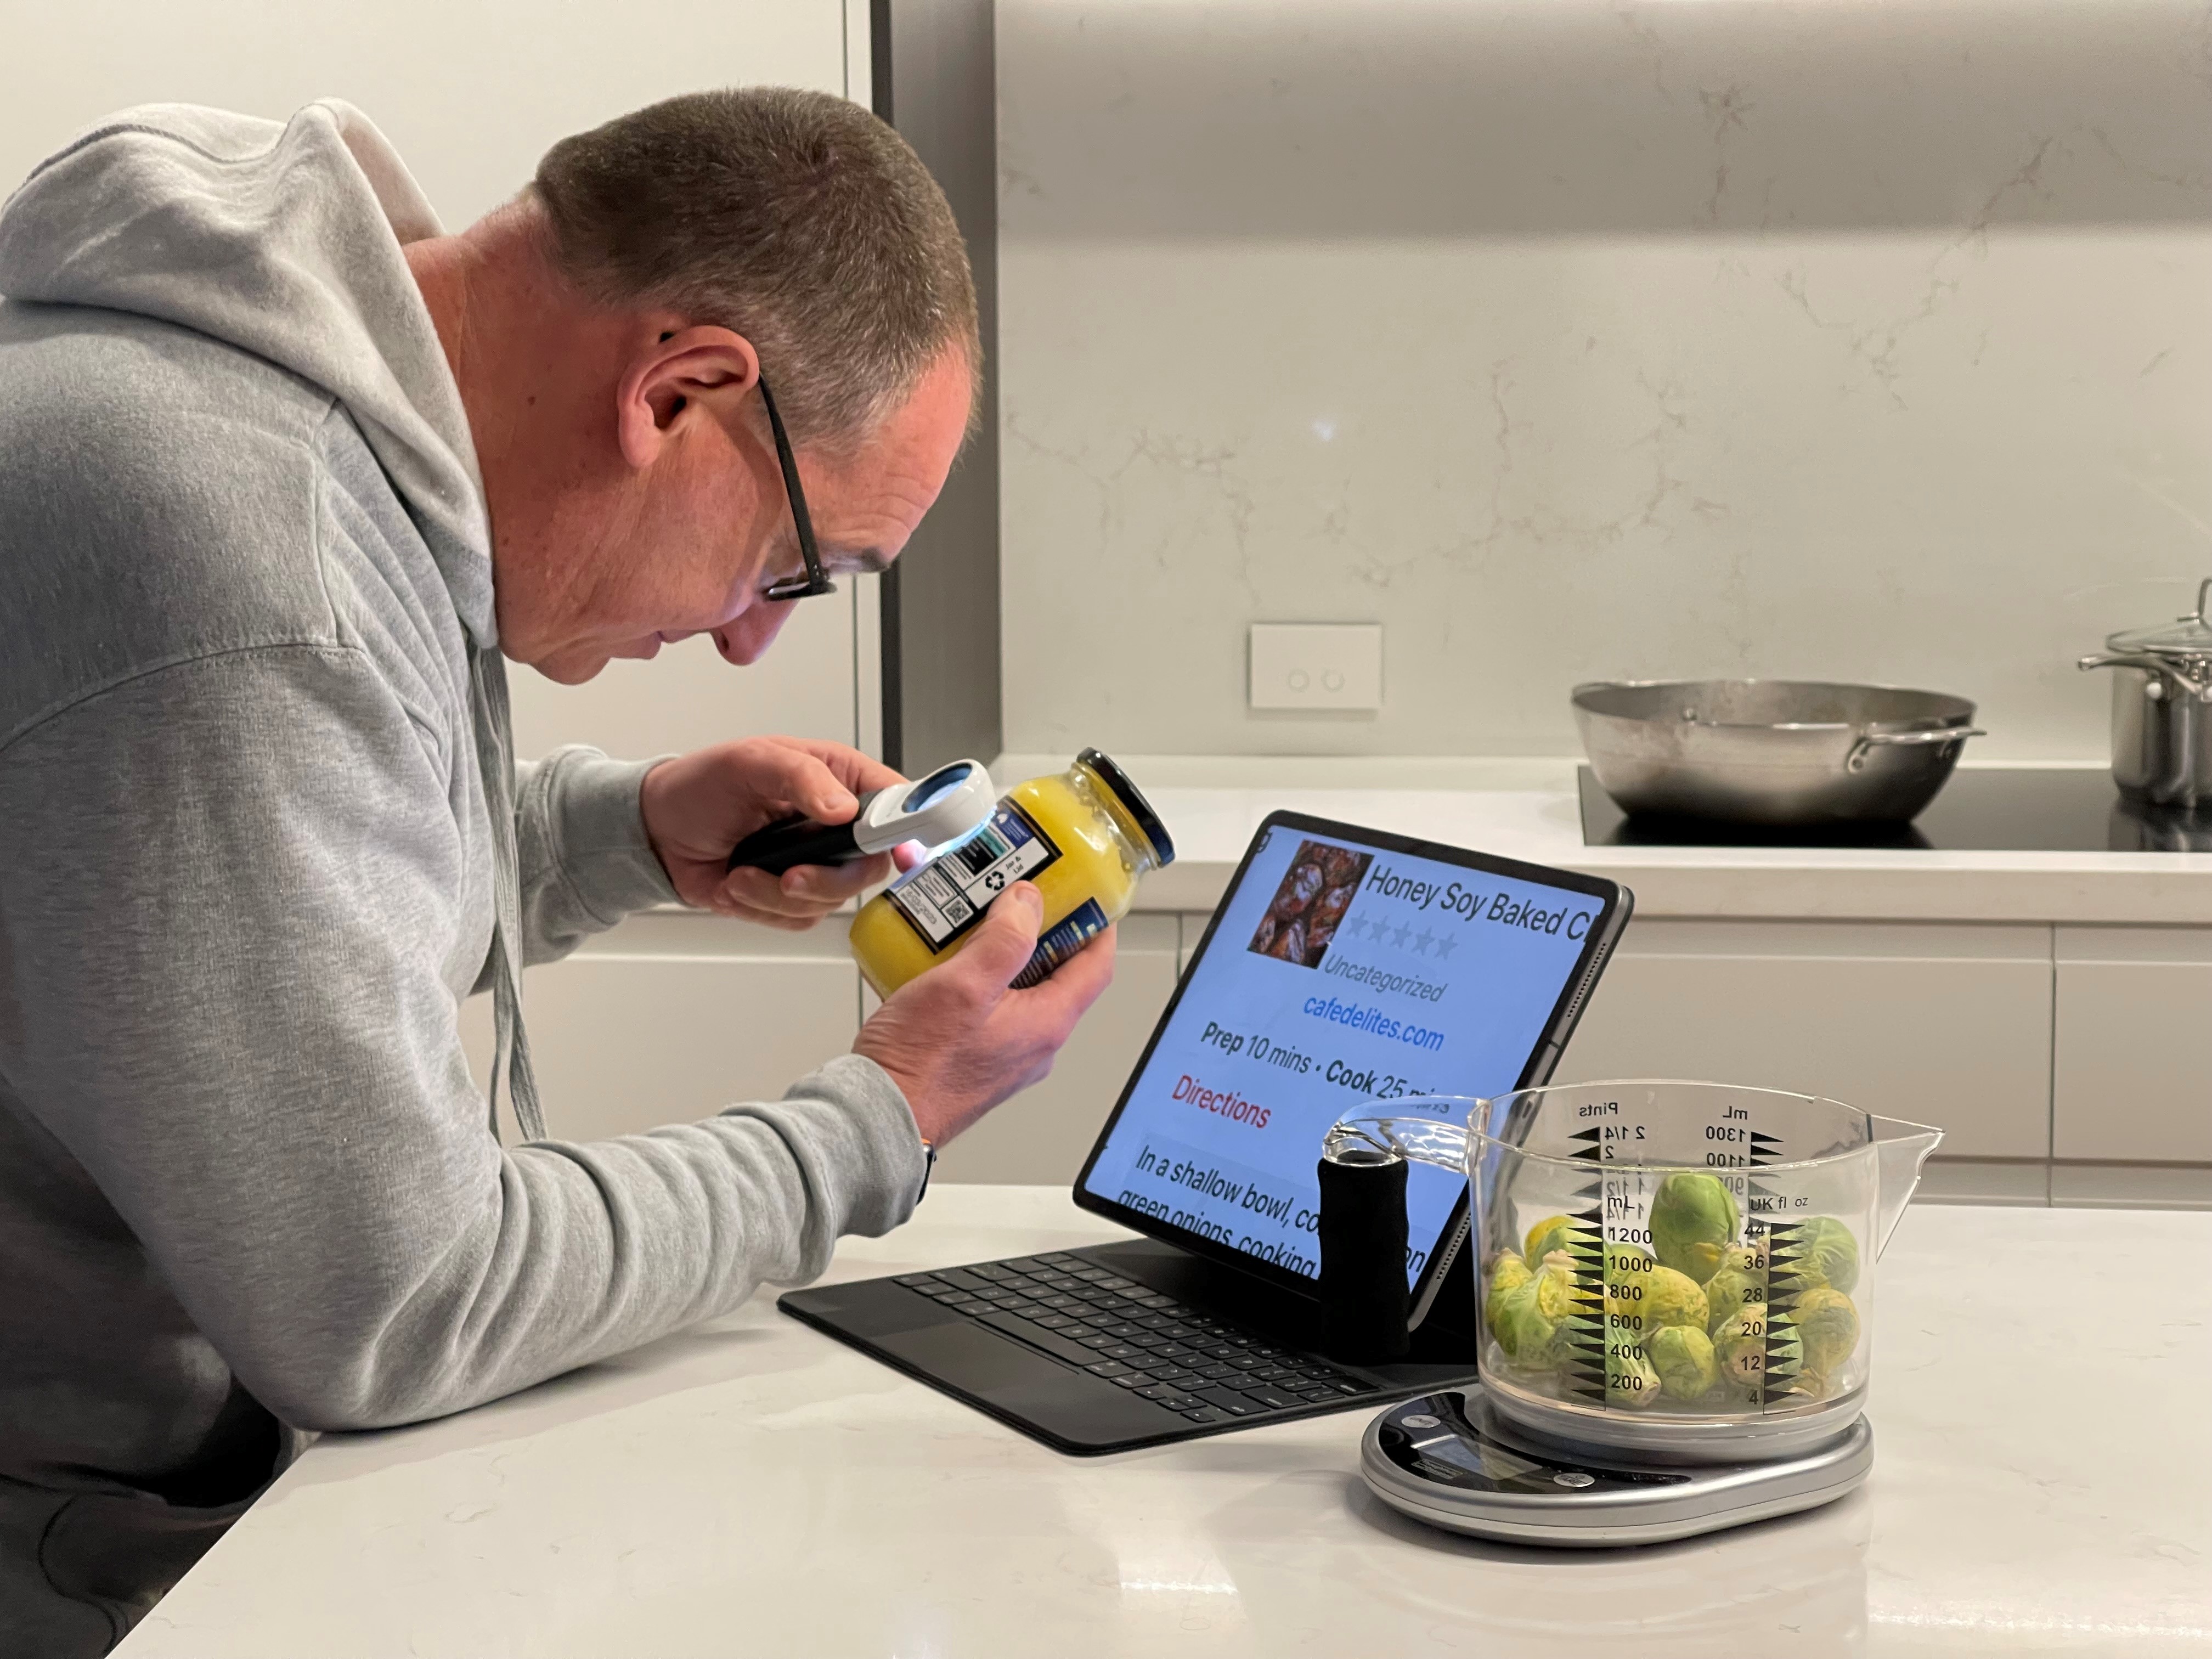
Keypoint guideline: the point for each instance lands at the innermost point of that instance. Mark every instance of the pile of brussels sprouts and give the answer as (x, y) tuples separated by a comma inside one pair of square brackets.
[(1701, 1318)]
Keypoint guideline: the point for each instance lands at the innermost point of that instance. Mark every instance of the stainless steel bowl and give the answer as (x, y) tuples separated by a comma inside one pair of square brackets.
[(1780, 752)]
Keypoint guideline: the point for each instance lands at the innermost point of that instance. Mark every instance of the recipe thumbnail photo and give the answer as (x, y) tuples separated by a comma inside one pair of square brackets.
[(1315, 892)]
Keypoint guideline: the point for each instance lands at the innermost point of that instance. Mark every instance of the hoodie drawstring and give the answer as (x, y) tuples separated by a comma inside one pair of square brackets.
[(495, 735)]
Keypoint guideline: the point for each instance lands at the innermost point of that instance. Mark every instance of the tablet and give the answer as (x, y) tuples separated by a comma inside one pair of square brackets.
[(1345, 967)]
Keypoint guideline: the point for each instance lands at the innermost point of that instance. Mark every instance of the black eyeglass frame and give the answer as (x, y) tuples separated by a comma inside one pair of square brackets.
[(815, 582)]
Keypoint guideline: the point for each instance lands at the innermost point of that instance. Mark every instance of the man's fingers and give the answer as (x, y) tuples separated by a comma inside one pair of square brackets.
[(857, 771), (1007, 939), (1061, 999), (808, 890), (786, 771)]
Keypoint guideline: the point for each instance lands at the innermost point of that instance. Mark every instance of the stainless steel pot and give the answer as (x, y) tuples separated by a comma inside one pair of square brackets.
[(2162, 709), (1780, 752)]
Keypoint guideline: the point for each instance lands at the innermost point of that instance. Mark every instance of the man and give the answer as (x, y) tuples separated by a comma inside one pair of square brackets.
[(283, 473)]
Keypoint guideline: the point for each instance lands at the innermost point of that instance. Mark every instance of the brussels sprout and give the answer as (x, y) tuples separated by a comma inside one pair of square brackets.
[(1828, 1326), (1729, 1290), (1652, 1300), (1508, 1273), (1629, 1379), (1523, 1335), (1693, 1220), (1558, 1295), (1683, 1357), (1621, 1257), (1823, 1252), (1754, 1351), (1745, 1258), (1557, 1233)]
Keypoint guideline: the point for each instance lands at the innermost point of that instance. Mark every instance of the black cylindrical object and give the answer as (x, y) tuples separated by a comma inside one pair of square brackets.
[(1363, 1256)]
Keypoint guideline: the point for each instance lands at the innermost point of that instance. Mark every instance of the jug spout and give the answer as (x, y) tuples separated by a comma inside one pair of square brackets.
[(1901, 1148), (1364, 1139)]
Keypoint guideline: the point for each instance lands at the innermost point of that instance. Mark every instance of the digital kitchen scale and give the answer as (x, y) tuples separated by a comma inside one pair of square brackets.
[(1446, 1459)]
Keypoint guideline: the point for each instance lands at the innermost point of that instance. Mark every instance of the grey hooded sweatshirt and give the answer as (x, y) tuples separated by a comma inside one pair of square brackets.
[(254, 824)]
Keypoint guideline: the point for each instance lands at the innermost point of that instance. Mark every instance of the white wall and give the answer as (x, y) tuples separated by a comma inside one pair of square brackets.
[(1575, 339)]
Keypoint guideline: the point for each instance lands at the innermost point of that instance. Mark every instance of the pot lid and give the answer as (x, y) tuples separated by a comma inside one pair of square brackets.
[(2189, 635)]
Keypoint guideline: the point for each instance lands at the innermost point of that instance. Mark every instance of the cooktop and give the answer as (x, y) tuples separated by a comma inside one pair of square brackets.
[(1982, 809)]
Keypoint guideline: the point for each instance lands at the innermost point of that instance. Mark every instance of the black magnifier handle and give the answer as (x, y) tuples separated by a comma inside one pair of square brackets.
[(789, 842)]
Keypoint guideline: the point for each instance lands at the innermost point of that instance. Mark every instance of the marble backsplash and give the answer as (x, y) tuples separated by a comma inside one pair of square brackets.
[(1865, 339)]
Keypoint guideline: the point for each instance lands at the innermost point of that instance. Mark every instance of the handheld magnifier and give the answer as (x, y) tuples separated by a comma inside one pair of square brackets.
[(942, 807)]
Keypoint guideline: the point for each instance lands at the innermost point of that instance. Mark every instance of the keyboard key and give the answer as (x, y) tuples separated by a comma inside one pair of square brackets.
[(1214, 1372), (1131, 1380), (1121, 1350), (1272, 1397), (911, 1280), (1053, 1322), (1028, 1306), (963, 1279), (1245, 1362), (1060, 1258), (1208, 1414), (1092, 1339), (1037, 1336), (1273, 1374), (1178, 1350), (1060, 1300), (1229, 1401), (1108, 1368), (1315, 1397), (1185, 1379), (1160, 1392), (960, 1301), (1345, 1387), (991, 1271)]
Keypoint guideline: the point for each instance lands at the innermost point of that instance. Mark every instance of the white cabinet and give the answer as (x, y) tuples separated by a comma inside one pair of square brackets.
[(671, 1016), (1044, 1134), (1946, 1025), (2132, 1058)]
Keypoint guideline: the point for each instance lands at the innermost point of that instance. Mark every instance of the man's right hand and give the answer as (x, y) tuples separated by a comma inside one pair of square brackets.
[(957, 1040)]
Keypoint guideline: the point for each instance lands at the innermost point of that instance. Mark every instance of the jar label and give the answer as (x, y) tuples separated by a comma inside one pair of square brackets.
[(1077, 929), (948, 896)]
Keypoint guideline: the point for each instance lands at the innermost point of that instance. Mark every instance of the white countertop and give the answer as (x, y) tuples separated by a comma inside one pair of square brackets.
[(1527, 809), (753, 1487)]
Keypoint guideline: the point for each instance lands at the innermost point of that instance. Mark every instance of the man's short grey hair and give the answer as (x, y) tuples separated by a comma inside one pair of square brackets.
[(796, 219)]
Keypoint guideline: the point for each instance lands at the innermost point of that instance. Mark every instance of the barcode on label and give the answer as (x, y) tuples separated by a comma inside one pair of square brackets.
[(947, 896)]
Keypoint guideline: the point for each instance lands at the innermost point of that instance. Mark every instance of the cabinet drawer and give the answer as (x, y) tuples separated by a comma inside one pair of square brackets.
[(1962, 1042), (670, 1018), (2132, 1072)]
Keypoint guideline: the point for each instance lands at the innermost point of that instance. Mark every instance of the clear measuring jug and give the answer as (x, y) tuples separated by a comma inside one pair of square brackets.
[(1681, 1271)]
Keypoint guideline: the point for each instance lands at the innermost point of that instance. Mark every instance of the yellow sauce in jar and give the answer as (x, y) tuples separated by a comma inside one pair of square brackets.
[(1084, 836)]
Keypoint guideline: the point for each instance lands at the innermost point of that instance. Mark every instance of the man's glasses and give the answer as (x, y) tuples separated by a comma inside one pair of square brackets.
[(814, 581)]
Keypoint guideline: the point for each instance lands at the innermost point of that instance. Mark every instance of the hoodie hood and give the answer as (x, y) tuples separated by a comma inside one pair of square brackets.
[(284, 242)]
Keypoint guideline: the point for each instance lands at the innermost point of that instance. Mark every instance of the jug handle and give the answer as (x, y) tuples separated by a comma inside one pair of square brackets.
[(1900, 1149), (1425, 1140)]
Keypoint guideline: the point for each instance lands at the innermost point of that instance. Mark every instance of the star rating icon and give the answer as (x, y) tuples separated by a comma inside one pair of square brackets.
[(1445, 946), (1403, 932), (1422, 940)]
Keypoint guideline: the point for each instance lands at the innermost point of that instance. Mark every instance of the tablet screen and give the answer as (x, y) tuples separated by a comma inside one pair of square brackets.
[(1337, 973)]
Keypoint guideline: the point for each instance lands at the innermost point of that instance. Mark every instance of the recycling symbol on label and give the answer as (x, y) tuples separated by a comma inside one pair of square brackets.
[(996, 881)]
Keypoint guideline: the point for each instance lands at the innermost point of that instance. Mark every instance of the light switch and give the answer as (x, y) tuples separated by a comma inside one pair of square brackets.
[(1316, 665)]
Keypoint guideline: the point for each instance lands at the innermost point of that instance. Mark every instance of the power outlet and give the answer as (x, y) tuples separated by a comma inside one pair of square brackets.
[(1317, 665)]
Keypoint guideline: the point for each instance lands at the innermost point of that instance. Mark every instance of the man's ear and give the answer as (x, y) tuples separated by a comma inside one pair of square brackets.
[(684, 376)]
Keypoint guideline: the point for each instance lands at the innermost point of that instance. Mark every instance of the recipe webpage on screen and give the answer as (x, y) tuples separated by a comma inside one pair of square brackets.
[(1339, 975)]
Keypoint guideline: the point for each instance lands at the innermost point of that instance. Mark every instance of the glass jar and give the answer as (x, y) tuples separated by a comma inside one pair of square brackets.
[(1083, 836)]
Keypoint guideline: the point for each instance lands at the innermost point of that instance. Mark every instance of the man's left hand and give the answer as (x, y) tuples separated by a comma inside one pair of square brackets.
[(700, 805)]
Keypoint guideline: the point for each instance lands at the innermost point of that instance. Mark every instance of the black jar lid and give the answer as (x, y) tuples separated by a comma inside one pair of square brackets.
[(1132, 802)]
